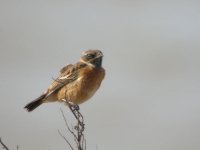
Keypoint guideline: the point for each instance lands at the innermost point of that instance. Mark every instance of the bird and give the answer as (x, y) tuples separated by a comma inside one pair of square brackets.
[(76, 83)]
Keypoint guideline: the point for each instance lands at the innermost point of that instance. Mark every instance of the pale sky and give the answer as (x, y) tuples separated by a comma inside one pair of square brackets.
[(150, 98)]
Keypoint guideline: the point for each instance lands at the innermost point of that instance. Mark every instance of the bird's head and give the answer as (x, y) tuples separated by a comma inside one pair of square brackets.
[(92, 58)]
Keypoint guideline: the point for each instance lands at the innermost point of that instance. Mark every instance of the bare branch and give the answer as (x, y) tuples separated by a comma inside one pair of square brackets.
[(78, 129), (67, 123), (4, 146), (65, 140)]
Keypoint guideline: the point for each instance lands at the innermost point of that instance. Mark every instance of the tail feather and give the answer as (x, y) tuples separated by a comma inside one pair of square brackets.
[(34, 104)]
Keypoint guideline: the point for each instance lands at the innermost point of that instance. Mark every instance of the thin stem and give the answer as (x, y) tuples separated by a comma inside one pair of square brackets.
[(4, 146)]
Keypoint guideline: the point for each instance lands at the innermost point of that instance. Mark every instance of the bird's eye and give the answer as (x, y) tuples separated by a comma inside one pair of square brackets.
[(89, 56)]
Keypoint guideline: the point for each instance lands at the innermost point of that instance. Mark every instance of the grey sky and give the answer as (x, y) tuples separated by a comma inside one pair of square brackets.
[(150, 97)]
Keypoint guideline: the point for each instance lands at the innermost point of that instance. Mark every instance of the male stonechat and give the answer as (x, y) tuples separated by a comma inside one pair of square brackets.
[(76, 83)]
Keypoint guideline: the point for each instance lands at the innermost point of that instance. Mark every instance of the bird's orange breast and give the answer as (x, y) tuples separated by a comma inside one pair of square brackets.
[(84, 87)]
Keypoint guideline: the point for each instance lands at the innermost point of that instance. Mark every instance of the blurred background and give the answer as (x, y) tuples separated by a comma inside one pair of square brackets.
[(150, 97)]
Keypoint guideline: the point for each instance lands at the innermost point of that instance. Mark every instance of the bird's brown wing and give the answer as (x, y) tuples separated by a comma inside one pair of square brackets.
[(67, 69), (67, 75)]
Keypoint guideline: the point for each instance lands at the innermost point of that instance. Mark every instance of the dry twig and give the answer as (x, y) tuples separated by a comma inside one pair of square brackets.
[(4, 145), (77, 130)]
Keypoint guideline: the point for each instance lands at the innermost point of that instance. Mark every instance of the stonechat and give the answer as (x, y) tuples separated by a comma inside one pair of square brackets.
[(76, 83)]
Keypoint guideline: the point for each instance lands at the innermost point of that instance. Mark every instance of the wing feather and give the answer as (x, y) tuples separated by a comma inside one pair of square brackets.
[(67, 75)]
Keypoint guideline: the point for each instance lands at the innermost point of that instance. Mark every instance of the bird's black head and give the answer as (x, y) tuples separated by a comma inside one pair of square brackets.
[(92, 57)]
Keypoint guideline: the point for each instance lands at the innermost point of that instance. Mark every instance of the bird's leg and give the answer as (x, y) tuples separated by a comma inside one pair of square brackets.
[(72, 105)]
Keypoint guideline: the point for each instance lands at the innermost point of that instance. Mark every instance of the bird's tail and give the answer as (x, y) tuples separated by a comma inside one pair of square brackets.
[(34, 104)]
